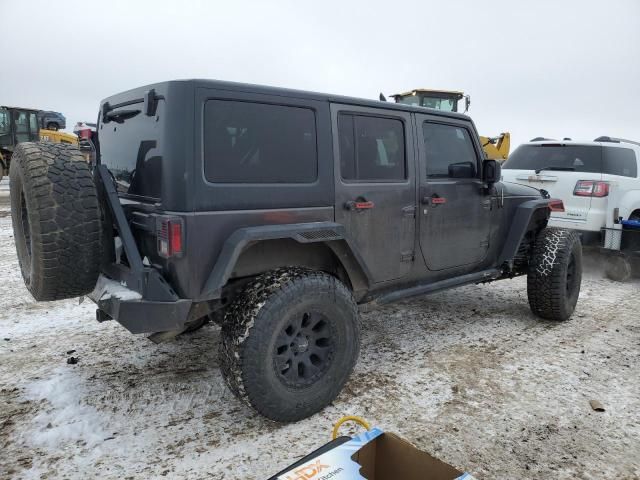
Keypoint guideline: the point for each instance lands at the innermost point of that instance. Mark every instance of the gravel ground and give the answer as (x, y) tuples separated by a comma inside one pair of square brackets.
[(469, 375)]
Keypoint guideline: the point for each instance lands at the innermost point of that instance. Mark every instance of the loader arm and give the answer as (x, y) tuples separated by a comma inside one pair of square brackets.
[(497, 148)]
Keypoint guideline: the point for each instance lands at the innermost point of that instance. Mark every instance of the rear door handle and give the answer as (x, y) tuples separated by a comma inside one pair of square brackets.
[(360, 204), (433, 200)]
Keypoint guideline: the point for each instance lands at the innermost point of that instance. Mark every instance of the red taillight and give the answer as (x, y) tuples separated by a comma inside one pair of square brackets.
[(170, 236), (85, 133), (591, 188), (175, 231), (556, 205)]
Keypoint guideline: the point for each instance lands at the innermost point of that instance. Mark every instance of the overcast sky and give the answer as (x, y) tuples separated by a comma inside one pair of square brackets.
[(550, 68)]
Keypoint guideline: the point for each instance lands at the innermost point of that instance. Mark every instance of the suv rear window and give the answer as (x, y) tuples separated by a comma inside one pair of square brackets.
[(578, 158), (248, 142), (575, 158)]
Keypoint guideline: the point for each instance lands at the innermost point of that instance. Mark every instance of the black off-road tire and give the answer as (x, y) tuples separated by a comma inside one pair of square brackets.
[(618, 268), (56, 220), (290, 305), (555, 274), (631, 243)]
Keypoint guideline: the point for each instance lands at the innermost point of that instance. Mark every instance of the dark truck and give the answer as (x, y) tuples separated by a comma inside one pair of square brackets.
[(52, 120), (277, 213)]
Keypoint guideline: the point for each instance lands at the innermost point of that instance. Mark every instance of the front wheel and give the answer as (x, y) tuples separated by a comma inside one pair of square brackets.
[(555, 274), (290, 342)]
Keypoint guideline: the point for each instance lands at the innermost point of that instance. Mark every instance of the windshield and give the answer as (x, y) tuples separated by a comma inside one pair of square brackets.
[(446, 104), (409, 100), (578, 158)]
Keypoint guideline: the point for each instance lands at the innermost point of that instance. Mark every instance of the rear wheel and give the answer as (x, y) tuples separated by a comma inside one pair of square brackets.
[(290, 342), (555, 274), (618, 268), (56, 220), (52, 126)]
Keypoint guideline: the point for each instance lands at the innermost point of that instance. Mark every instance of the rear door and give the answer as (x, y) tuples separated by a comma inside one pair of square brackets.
[(375, 186), (557, 168), (455, 211)]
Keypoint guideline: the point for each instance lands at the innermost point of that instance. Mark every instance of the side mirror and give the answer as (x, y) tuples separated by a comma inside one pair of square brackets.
[(462, 170), (467, 103), (491, 171)]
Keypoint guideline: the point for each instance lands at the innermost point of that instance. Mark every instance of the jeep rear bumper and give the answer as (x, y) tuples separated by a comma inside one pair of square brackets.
[(135, 313)]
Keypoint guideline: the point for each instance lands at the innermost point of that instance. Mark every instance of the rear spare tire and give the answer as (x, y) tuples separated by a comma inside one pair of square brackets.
[(290, 342), (56, 220), (555, 274)]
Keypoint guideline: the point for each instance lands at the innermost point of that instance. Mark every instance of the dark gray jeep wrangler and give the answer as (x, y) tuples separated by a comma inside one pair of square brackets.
[(276, 213)]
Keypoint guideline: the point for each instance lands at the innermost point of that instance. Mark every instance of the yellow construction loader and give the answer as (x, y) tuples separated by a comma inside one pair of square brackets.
[(21, 125), (496, 148)]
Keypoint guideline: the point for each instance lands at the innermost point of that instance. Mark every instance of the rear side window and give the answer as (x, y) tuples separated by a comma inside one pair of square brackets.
[(447, 146), (619, 161), (574, 158), (371, 148), (248, 142)]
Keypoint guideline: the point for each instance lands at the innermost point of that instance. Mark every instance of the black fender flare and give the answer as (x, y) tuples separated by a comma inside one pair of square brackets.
[(520, 226), (330, 233)]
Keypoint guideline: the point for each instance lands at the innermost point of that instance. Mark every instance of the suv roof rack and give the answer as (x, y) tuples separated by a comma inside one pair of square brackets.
[(605, 138), (540, 139)]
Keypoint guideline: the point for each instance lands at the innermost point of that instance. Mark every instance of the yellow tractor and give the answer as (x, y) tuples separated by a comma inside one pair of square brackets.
[(496, 148), (21, 125)]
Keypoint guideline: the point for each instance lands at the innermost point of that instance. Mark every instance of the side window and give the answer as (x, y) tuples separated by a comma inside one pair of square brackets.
[(449, 151), (371, 148), (248, 142), (22, 127), (5, 122), (33, 122), (619, 161)]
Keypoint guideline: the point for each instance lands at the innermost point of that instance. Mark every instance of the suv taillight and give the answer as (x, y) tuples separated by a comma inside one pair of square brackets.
[(170, 236), (591, 188)]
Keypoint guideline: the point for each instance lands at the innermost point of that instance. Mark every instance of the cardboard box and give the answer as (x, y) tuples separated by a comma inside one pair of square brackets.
[(372, 455)]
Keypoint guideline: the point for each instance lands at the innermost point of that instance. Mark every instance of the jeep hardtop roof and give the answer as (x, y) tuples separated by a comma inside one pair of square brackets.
[(293, 93)]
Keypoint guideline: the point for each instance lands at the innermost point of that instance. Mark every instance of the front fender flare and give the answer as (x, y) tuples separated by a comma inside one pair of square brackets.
[(519, 226)]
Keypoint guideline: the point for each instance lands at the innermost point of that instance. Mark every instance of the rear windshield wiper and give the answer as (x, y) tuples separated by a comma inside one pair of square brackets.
[(562, 169), (119, 116)]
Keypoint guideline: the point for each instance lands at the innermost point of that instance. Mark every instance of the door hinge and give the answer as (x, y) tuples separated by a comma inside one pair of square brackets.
[(407, 256)]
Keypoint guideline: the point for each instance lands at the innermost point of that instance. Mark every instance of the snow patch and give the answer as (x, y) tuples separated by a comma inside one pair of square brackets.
[(66, 419), (107, 288)]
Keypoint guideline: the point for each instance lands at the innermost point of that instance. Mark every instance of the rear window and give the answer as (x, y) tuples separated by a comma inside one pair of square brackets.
[(259, 143), (578, 158), (575, 158)]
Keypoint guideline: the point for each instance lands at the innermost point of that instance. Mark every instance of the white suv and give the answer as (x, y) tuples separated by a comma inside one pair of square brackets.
[(599, 185)]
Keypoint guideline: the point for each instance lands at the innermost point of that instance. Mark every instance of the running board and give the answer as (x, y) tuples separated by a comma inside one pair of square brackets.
[(483, 276)]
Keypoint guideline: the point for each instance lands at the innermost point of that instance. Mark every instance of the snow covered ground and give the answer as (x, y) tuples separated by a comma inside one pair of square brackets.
[(469, 375)]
